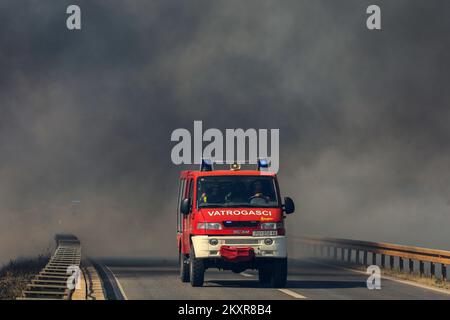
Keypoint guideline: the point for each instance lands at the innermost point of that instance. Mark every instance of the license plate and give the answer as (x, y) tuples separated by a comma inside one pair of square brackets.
[(265, 233)]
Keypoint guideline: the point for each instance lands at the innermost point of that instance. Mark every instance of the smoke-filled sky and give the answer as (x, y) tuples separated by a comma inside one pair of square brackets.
[(87, 115)]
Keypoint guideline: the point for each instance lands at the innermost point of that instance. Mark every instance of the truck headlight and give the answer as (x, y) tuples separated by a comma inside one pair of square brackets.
[(271, 225), (209, 226)]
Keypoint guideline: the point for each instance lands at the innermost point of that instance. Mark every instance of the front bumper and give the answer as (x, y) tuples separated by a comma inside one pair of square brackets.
[(203, 249)]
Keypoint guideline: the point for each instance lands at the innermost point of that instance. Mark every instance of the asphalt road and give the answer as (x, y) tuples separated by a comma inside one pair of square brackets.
[(158, 279)]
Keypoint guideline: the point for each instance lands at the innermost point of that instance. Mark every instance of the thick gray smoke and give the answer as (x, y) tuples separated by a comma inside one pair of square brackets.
[(87, 115)]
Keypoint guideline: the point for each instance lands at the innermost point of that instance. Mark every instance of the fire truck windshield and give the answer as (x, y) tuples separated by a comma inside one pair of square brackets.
[(236, 191)]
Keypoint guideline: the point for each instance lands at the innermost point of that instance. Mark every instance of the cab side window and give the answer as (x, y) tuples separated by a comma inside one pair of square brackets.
[(191, 191)]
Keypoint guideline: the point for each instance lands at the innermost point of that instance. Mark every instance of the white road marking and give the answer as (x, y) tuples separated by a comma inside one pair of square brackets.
[(285, 291), (408, 282), (248, 275), (292, 293), (118, 284)]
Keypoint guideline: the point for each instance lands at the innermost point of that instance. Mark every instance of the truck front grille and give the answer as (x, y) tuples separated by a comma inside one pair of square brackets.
[(241, 224)]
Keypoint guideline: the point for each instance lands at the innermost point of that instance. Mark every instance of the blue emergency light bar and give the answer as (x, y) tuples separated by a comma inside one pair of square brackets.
[(207, 165), (263, 163)]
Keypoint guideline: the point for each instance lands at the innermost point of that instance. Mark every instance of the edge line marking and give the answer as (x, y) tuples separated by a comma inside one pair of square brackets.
[(118, 283), (407, 282)]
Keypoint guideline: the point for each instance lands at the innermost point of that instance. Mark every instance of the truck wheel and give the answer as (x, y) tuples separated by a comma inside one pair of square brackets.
[(184, 267), (197, 270), (264, 275), (279, 274)]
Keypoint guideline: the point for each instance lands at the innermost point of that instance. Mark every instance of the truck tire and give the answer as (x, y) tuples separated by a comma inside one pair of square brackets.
[(196, 270), (279, 274), (184, 267), (264, 275)]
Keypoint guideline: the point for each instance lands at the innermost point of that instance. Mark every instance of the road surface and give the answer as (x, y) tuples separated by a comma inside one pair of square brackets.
[(158, 279)]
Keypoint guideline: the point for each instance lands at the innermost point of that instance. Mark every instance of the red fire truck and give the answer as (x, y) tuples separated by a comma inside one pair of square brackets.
[(232, 220)]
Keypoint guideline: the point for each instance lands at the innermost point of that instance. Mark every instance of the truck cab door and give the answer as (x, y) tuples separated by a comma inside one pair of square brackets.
[(181, 194), (186, 225)]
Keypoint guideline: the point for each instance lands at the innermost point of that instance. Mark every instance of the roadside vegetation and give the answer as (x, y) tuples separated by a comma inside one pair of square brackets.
[(15, 275)]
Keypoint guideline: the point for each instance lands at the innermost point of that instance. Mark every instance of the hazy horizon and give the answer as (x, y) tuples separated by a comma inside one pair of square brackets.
[(87, 115)]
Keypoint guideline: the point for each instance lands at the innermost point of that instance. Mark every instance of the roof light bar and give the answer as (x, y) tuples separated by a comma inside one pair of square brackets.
[(206, 165), (263, 164), (235, 166)]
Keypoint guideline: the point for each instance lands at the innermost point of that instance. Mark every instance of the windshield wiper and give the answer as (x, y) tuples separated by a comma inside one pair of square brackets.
[(208, 205)]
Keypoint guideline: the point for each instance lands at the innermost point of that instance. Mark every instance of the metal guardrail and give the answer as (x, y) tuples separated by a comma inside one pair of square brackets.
[(51, 282), (358, 252)]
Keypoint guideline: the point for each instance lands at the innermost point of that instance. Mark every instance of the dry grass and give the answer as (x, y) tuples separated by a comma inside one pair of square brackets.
[(17, 274), (425, 280)]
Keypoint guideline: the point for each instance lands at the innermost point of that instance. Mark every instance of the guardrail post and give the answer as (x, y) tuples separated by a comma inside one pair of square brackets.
[(411, 265), (335, 253), (383, 260), (357, 256), (400, 262), (391, 262), (444, 272), (374, 258), (329, 251), (349, 255), (421, 268), (365, 258), (432, 269)]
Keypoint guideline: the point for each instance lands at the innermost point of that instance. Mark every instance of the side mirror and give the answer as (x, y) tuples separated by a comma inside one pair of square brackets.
[(185, 206), (289, 206)]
